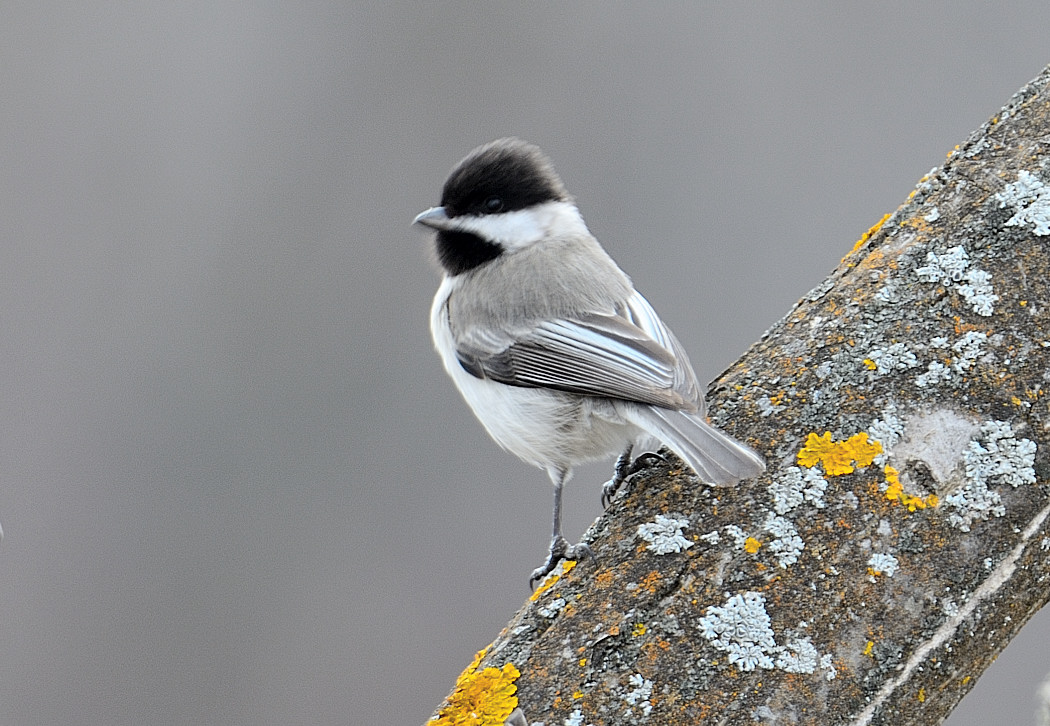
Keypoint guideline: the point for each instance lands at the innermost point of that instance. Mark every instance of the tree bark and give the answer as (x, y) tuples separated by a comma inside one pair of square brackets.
[(900, 537)]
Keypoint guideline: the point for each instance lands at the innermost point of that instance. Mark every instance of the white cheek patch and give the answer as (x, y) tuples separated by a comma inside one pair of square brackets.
[(521, 228)]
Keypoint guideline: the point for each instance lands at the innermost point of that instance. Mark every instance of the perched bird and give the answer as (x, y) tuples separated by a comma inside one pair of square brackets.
[(561, 360)]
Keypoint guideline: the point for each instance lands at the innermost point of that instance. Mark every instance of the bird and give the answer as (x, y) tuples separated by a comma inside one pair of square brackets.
[(545, 337)]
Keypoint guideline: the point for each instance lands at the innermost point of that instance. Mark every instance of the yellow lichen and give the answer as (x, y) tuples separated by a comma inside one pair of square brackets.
[(816, 449), (867, 235), (650, 583), (552, 578), (922, 695), (751, 545), (481, 698), (638, 630), (895, 492), (839, 457), (868, 648)]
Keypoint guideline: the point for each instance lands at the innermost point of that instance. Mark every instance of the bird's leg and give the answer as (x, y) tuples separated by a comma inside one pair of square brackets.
[(624, 470), (560, 548)]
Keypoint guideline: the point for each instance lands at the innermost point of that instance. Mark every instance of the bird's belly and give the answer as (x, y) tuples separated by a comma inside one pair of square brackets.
[(545, 427), (540, 426)]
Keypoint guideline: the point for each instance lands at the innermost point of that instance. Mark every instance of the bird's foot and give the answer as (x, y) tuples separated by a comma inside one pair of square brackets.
[(624, 470), (560, 550)]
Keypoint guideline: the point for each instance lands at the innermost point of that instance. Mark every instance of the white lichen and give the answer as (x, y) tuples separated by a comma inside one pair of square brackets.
[(952, 269), (786, 490), (795, 485), (888, 293), (575, 719), (787, 545), (741, 629), (552, 608), (665, 534), (977, 290), (946, 268), (639, 696), (711, 537), (887, 430), (798, 656), (977, 148), (973, 502), (883, 564), (816, 486), (936, 372), (738, 535), (828, 667), (998, 455), (994, 457), (897, 357), (967, 349), (1030, 198)]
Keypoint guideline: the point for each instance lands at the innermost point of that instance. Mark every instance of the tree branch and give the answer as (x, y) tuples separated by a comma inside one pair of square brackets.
[(901, 536)]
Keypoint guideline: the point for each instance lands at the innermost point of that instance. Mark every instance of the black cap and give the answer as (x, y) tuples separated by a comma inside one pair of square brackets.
[(504, 175)]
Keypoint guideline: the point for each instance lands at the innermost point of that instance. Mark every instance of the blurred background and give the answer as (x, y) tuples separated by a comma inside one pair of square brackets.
[(235, 484)]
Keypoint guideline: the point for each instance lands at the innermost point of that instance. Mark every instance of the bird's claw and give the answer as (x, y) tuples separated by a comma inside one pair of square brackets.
[(609, 490), (625, 469), (560, 550)]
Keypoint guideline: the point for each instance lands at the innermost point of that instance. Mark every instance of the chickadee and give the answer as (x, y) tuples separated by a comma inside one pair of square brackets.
[(561, 360)]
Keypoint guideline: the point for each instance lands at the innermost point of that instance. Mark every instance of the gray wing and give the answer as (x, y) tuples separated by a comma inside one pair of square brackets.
[(628, 355)]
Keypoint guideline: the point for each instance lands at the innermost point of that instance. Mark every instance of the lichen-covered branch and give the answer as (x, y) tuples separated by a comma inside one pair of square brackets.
[(901, 536)]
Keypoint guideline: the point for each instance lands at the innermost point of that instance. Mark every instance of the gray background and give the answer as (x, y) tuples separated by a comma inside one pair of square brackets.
[(235, 484)]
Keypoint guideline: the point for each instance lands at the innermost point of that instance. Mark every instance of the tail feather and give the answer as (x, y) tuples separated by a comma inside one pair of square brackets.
[(714, 455)]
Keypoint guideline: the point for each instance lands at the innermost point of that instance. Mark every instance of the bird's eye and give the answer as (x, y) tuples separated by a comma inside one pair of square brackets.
[(493, 204)]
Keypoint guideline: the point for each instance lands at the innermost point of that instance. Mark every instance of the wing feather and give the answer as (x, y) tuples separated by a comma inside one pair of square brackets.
[(628, 355)]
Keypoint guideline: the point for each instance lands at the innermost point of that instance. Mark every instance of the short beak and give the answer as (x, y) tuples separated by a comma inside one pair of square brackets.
[(435, 217)]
